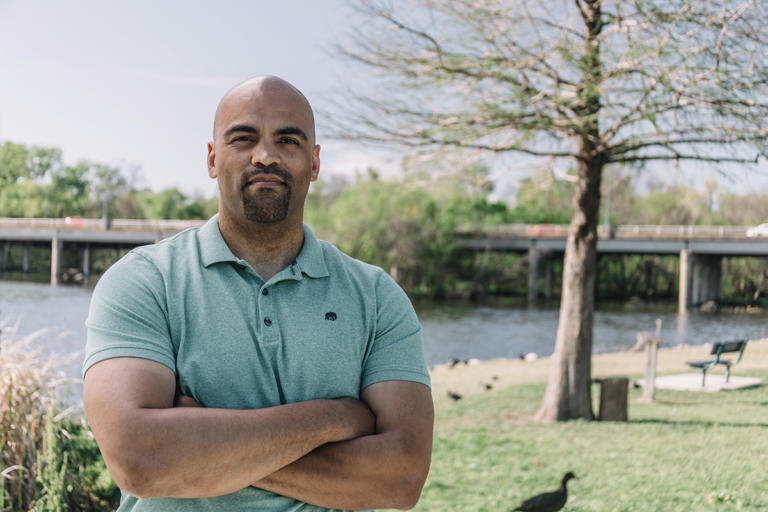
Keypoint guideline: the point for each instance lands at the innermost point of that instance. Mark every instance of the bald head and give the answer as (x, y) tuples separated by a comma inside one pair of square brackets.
[(263, 89)]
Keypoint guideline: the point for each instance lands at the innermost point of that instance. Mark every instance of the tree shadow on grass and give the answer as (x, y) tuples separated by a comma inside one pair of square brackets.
[(677, 403), (697, 423)]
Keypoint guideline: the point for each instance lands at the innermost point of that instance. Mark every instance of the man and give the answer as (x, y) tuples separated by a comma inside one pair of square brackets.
[(247, 364)]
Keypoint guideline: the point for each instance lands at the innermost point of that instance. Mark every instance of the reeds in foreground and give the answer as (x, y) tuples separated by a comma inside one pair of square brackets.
[(30, 386)]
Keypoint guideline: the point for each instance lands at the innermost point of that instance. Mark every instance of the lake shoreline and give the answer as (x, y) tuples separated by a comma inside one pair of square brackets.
[(473, 377)]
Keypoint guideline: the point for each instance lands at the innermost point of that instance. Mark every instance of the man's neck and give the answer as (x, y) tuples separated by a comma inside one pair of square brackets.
[(268, 248)]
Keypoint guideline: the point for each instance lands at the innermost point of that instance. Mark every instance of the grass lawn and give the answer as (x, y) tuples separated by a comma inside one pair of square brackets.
[(685, 452)]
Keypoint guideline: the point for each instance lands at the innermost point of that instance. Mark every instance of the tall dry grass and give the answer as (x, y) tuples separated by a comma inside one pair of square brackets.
[(31, 386)]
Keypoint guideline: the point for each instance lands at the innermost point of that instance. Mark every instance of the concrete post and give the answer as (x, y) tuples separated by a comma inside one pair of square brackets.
[(56, 247), (25, 260), (86, 262), (548, 281), (684, 295), (6, 254), (714, 273), (651, 351), (707, 279), (533, 275)]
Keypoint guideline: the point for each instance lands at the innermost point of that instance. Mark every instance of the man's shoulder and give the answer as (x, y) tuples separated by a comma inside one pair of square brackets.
[(339, 261), (168, 251)]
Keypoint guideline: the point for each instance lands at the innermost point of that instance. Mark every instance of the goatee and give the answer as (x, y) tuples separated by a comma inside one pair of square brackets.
[(267, 205)]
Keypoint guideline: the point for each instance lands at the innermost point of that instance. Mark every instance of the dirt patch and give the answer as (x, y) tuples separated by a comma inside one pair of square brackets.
[(474, 376)]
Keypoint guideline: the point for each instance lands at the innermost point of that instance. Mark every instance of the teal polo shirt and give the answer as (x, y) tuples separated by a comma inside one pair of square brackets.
[(326, 326)]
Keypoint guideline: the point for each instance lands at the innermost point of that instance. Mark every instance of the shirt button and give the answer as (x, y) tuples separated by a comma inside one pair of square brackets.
[(267, 321), (265, 292)]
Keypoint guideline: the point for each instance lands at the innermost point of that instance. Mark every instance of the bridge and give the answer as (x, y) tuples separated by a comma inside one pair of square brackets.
[(81, 235), (701, 248)]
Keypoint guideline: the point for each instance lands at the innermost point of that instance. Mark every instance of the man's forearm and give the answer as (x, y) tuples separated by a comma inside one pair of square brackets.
[(153, 449), (376, 471), (184, 452), (383, 470)]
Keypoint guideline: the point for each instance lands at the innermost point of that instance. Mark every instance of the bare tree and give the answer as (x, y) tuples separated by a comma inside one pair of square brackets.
[(593, 82)]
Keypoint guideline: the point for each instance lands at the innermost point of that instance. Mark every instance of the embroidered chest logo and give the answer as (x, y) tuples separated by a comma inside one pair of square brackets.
[(330, 316)]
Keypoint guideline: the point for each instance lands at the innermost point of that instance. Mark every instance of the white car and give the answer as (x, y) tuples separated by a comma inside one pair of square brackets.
[(761, 230)]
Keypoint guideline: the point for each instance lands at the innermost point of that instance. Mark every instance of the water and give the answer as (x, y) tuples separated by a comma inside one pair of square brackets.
[(450, 329), (487, 332)]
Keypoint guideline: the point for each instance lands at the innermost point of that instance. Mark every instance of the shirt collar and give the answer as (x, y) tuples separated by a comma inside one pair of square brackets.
[(311, 258), (213, 249)]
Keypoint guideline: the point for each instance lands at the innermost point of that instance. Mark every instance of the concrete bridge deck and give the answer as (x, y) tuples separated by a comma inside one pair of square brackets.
[(700, 248)]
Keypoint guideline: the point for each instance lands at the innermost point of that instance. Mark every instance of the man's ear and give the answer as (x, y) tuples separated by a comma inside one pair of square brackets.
[(315, 162), (211, 160)]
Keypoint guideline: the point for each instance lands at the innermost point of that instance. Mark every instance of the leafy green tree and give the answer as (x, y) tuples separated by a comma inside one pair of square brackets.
[(171, 203), (596, 83), (162, 205), (107, 183), (14, 159), (69, 190), (24, 199), (544, 199), (746, 210)]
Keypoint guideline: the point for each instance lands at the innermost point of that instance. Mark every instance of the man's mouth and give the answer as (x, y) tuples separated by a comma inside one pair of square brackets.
[(267, 177), (264, 180)]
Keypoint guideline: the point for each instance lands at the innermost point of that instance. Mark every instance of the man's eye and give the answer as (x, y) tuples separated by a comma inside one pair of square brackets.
[(242, 138), (289, 140)]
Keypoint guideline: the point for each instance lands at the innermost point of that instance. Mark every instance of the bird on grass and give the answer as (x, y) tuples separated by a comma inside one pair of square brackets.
[(454, 396), (548, 501)]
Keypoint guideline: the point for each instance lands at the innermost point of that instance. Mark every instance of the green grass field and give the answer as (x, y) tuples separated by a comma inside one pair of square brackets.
[(685, 452)]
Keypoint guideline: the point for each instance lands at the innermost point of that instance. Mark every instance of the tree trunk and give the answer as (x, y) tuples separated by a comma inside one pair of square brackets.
[(568, 394)]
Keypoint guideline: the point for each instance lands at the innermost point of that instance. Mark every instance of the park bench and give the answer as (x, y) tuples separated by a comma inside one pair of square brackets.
[(718, 349)]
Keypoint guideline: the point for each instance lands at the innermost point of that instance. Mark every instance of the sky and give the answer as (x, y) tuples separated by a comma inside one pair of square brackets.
[(135, 83)]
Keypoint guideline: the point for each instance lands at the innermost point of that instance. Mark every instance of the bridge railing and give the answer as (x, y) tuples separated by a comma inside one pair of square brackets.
[(627, 231), (83, 224), (677, 232), (502, 230)]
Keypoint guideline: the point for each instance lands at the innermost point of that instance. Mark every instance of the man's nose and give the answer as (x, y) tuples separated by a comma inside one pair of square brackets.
[(265, 153)]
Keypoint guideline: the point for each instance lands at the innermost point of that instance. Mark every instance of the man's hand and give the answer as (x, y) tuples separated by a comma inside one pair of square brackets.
[(383, 470)]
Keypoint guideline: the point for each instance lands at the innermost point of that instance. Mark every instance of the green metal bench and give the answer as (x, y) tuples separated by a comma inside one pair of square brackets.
[(718, 349)]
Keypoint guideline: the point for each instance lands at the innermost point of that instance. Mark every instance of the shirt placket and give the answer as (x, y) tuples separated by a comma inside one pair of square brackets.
[(267, 304)]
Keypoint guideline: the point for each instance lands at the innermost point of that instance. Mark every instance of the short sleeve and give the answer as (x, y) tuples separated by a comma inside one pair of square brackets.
[(128, 315), (396, 352)]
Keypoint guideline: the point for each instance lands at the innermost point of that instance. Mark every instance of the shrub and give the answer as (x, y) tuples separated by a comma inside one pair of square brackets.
[(49, 461)]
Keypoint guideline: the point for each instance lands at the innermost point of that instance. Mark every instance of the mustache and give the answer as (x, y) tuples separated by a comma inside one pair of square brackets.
[(273, 169)]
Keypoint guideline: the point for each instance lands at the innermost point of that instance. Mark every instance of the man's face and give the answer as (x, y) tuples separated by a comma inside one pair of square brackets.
[(263, 154)]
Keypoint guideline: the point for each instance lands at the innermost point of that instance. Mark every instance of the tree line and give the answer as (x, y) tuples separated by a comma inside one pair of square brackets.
[(35, 182), (406, 224)]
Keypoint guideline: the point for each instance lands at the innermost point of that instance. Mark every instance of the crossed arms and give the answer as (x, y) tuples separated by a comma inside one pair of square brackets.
[(342, 453)]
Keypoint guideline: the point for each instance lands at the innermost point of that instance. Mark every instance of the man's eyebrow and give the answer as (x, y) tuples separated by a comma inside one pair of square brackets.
[(241, 128), (292, 130)]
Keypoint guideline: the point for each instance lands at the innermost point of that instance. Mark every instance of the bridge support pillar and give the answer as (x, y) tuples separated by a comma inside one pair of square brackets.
[(56, 247), (701, 278), (86, 262), (707, 279), (25, 260), (684, 295), (533, 275), (548, 281), (6, 255)]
